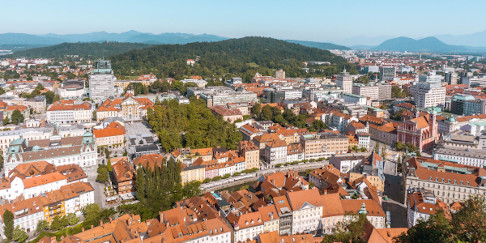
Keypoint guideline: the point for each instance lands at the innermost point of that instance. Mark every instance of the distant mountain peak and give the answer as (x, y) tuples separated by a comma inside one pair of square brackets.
[(427, 44)]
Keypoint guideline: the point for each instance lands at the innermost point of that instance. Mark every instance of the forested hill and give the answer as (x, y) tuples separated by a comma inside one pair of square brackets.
[(224, 59), (87, 50)]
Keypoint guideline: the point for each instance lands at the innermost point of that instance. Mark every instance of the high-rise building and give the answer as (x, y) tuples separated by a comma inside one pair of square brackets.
[(101, 81), (345, 82), (428, 91), (387, 73), (451, 78), (280, 74)]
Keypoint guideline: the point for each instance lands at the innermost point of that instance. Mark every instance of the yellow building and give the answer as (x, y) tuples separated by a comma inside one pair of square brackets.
[(192, 173), (251, 153)]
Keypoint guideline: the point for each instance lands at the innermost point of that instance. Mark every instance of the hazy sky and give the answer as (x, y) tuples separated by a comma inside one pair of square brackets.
[(317, 20)]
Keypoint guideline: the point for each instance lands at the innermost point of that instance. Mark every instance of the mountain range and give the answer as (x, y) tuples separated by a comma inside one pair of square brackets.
[(428, 44), (129, 36), (21, 40)]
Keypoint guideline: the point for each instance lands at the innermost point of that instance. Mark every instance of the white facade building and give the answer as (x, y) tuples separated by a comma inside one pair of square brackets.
[(102, 82), (428, 91), (345, 82)]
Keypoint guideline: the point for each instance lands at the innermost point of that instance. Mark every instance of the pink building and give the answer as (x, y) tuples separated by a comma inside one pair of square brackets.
[(420, 131)]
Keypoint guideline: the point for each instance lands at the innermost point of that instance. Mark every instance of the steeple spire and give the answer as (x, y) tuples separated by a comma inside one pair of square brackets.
[(362, 210)]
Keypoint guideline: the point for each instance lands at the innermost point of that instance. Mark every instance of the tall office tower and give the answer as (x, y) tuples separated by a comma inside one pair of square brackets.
[(101, 81), (428, 91), (280, 74), (387, 73), (345, 82), (451, 78)]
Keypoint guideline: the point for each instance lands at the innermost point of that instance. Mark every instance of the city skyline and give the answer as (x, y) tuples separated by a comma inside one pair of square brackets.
[(350, 24)]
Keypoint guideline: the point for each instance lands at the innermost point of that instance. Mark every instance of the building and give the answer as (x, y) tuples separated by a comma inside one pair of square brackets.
[(276, 153), (280, 74), (371, 208), (448, 181), (422, 204), (24, 110), (345, 82), (306, 210), (222, 95), (141, 145), (428, 91), (129, 108), (27, 213), (69, 111), (111, 136), (464, 156), (251, 153), (246, 226), (284, 212), (370, 91), (324, 145), (39, 133), (270, 218), (150, 160), (229, 115), (295, 152), (72, 89), (101, 81), (355, 99), (421, 131), (387, 73), (346, 163), (467, 105), (286, 94), (55, 150), (192, 173), (123, 175), (201, 83), (70, 198), (37, 104)]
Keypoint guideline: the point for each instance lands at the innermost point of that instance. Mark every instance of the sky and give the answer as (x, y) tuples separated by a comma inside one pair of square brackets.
[(316, 20)]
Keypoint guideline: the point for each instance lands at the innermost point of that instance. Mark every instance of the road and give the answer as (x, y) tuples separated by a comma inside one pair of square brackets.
[(242, 179), (394, 191), (99, 188)]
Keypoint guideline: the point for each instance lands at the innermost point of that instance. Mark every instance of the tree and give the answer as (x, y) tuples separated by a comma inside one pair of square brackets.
[(17, 117), (377, 147), (56, 224), (8, 221), (466, 225), (436, 229), (383, 152), (6, 120), (103, 174), (71, 218), (42, 225), (108, 166), (51, 97), (91, 212), (256, 109), (267, 114), (2, 91), (318, 125), (348, 231), (363, 79), (19, 234), (1, 159), (191, 189), (399, 146)]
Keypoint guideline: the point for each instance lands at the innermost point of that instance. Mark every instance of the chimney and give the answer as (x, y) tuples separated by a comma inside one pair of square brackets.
[(82, 229)]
